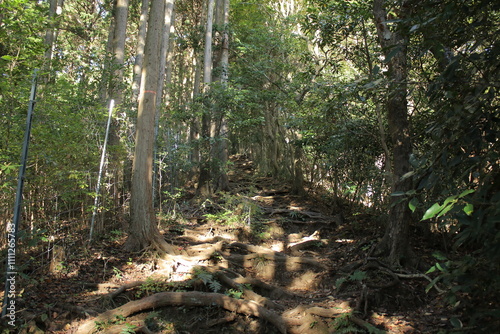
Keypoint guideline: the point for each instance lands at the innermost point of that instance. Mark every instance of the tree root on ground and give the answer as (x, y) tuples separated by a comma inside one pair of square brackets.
[(247, 293), (292, 262), (303, 317), (137, 326), (192, 298)]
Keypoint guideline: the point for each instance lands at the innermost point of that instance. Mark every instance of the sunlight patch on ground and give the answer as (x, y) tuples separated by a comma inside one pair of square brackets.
[(345, 241), (278, 246), (307, 280)]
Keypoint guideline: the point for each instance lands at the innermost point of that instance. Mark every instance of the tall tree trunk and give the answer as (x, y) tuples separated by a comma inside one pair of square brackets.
[(139, 53), (297, 172), (116, 93), (169, 6), (194, 128), (55, 8), (143, 230), (394, 43), (221, 179), (119, 36), (204, 189)]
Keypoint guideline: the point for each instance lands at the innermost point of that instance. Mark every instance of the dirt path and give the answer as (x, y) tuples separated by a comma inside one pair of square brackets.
[(254, 260)]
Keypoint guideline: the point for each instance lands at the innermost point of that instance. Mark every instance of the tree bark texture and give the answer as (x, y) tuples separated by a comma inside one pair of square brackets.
[(169, 7), (116, 93), (222, 181), (139, 53), (192, 298), (204, 189), (119, 36), (55, 8), (394, 45), (143, 229)]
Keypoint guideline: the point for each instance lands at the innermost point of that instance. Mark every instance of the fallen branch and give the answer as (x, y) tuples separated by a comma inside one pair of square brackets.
[(124, 288), (193, 298)]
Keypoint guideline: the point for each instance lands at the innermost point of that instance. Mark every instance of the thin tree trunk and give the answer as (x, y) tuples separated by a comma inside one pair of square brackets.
[(203, 189), (139, 53), (396, 239), (119, 36), (222, 181), (116, 93), (143, 229), (55, 8), (169, 6), (194, 128)]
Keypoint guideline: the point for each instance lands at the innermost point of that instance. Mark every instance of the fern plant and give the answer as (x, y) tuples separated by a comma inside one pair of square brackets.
[(208, 279)]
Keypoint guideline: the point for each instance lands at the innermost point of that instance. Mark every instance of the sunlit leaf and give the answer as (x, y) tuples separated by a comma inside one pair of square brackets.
[(431, 270), (469, 209), (413, 204), (432, 211), (445, 210), (466, 192)]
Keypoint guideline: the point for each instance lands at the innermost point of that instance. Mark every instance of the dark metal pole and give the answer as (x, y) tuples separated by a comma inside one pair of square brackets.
[(9, 303)]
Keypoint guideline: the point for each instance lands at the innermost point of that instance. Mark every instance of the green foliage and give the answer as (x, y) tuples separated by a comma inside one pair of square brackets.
[(232, 210), (356, 276), (208, 279), (129, 329), (437, 210), (152, 286), (457, 153), (341, 324), (233, 293)]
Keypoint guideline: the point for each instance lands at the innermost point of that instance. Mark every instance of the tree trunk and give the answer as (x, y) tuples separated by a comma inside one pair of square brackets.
[(222, 181), (143, 231), (169, 6), (297, 172), (194, 128), (55, 8), (394, 43), (203, 189), (116, 93), (139, 53)]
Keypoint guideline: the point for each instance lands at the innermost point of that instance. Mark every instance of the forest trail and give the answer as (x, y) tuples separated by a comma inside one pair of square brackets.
[(258, 260)]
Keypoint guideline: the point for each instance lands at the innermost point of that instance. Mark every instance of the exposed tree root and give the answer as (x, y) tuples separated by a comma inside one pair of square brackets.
[(124, 288), (220, 321), (247, 293), (193, 298), (292, 262), (137, 326), (273, 291), (302, 317)]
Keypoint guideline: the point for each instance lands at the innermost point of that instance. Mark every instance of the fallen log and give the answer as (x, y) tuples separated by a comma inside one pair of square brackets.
[(193, 298)]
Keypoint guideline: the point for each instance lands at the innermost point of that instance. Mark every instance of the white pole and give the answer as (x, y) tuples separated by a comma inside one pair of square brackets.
[(101, 167)]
